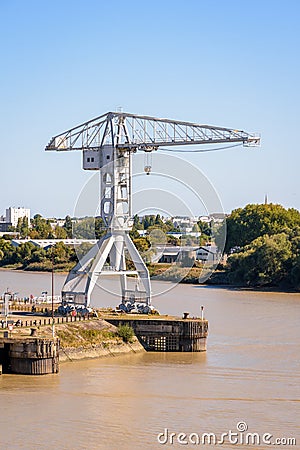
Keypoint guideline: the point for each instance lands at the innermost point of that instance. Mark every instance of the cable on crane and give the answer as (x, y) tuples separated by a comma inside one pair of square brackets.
[(200, 150)]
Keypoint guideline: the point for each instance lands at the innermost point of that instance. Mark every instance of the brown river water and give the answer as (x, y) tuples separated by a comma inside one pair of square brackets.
[(249, 377)]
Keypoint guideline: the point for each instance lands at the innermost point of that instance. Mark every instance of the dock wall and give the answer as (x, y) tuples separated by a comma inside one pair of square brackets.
[(29, 356), (168, 335)]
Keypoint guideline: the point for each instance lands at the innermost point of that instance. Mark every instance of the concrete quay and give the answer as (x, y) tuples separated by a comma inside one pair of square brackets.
[(167, 334), (38, 354), (29, 356)]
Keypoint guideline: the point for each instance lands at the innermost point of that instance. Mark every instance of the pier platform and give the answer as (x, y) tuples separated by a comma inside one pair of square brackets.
[(29, 356), (167, 334)]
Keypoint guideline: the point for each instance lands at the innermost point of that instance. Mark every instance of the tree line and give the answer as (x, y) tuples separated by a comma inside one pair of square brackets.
[(263, 244), (41, 228), (29, 256)]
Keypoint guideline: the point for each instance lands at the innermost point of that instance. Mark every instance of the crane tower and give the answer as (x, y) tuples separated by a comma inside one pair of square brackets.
[(107, 144)]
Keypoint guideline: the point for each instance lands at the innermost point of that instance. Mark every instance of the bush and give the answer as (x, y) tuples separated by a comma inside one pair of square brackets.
[(126, 333)]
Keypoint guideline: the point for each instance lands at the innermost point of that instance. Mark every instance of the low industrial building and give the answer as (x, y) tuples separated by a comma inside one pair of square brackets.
[(48, 243), (171, 254)]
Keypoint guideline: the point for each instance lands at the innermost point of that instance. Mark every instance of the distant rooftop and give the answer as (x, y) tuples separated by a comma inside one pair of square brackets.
[(46, 243)]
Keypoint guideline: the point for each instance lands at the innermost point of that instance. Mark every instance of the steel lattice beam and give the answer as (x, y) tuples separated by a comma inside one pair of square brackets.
[(129, 131)]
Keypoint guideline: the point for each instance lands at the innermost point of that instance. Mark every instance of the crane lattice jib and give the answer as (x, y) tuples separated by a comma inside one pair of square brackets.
[(132, 132)]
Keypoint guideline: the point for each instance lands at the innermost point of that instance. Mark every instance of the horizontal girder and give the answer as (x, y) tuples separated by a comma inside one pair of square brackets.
[(131, 132)]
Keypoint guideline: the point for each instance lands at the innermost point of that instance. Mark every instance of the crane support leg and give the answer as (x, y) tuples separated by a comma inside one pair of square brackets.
[(83, 277), (140, 266)]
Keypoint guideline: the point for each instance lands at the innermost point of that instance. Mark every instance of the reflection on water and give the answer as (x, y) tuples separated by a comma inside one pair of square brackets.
[(250, 372)]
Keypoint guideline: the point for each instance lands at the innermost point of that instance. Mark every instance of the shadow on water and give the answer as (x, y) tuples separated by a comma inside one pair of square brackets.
[(225, 287)]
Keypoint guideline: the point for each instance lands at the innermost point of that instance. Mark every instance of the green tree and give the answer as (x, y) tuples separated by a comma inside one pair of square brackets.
[(82, 249), (145, 248), (59, 252), (196, 228), (142, 244), (134, 234), (23, 253), (169, 226), (24, 230), (41, 228), (22, 227), (295, 273), (158, 221), (137, 225), (246, 224), (204, 227), (88, 228), (173, 240), (126, 333), (68, 226), (60, 232), (39, 255), (263, 262), (148, 221), (100, 229)]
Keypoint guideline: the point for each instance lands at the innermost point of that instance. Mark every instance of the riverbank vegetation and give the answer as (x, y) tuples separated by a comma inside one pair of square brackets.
[(28, 256), (263, 242), (262, 246)]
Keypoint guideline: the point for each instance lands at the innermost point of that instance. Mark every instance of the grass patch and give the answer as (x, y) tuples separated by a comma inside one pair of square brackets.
[(169, 272), (76, 336), (46, 266), (126, 333), (12, 266)]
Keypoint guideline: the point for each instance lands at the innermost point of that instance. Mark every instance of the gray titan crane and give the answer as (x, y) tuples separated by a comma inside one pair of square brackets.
[(108, 143)]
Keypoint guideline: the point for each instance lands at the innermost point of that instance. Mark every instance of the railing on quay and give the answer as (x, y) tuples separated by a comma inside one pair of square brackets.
[(35, 322)]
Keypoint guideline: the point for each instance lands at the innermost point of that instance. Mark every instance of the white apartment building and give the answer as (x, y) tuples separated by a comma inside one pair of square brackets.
[(14, 214)]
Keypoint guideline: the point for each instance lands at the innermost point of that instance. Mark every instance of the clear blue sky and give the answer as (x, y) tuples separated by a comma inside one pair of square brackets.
[(227, 63)]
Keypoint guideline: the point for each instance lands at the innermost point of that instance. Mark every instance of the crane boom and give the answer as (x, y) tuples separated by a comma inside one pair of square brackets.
[(133, 132)]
